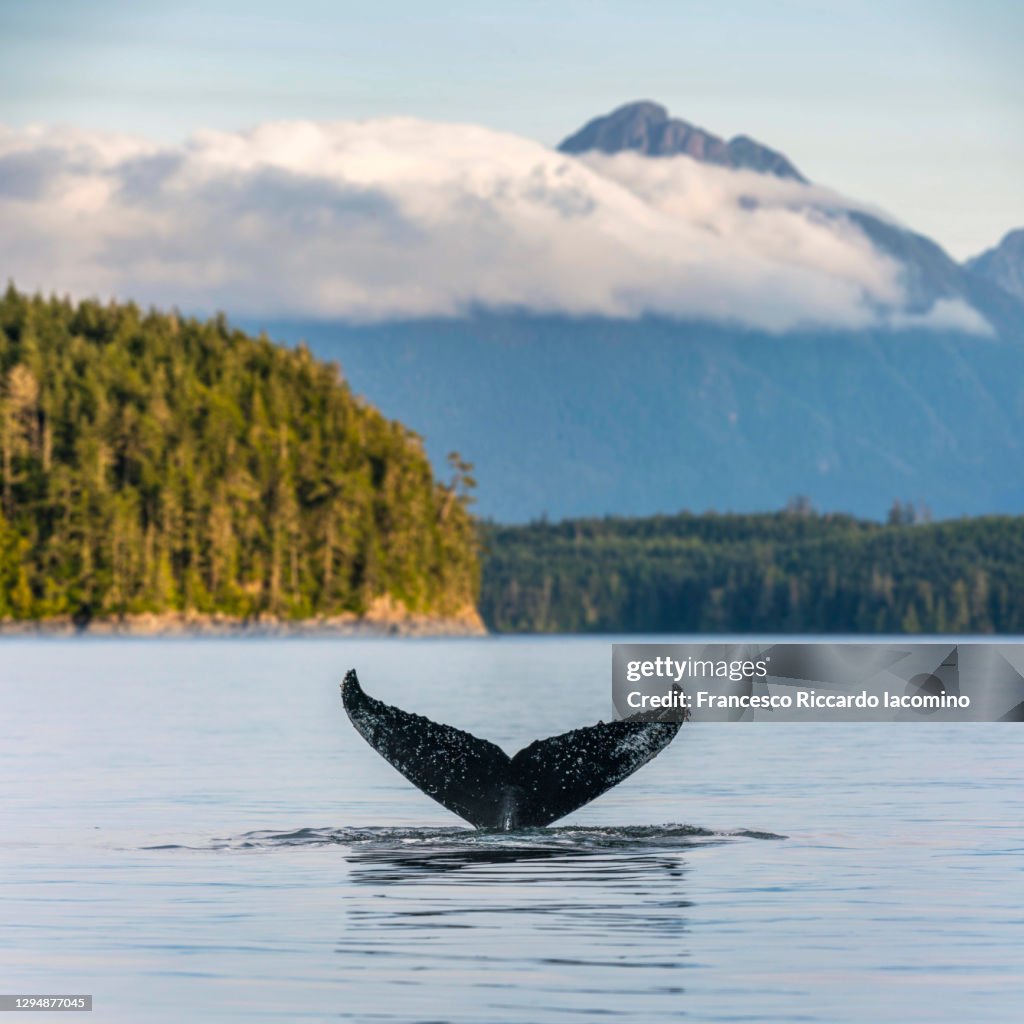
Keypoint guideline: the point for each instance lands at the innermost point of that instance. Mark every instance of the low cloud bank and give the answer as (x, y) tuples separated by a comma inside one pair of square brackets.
[(402, 218)]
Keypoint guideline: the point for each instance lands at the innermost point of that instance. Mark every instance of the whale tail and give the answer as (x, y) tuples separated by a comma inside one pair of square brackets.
[(481, 783)]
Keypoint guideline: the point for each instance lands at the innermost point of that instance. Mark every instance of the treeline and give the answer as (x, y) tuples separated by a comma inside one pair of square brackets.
[(151, 463), (787, 572)]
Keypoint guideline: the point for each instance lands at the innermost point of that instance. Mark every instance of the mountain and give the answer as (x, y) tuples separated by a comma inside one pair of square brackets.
[(646, 128), (573, 415), (591, 416), (930, 275), (1003, 265), (927, 273)]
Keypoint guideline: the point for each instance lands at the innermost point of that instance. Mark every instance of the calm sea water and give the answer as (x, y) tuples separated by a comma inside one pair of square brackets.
[(192, 830)]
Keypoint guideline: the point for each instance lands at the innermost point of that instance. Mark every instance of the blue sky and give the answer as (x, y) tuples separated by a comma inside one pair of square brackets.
[(916, 106)]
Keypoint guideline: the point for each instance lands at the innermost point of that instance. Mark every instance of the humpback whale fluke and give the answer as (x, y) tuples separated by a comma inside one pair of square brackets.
[(481, 783)]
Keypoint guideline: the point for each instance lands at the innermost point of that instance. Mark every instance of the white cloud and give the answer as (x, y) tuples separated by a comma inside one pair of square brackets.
[(405, 218), (945, 314)]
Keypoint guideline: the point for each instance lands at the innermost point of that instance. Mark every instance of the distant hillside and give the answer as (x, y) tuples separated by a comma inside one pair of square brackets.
[(576, 417), (152, 464), (787, 572)]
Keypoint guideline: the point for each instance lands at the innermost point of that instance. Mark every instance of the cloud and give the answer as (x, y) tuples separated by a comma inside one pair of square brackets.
[(402, 218), (946, 315)]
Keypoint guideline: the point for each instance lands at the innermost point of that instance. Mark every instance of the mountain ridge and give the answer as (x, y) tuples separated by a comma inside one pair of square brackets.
[(646, 127), (1003, 264), (590, 416), (992, 283)]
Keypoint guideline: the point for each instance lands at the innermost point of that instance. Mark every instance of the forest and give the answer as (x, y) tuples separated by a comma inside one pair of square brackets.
[(151, 462), (794, 571)]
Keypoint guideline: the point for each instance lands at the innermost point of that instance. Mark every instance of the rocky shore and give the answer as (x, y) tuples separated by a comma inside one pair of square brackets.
[(385, 617)]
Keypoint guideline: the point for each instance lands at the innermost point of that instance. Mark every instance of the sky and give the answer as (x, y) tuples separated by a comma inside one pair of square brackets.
[(917, 107)]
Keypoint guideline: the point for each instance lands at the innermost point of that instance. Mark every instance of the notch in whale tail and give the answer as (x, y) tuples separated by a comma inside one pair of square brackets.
[(481, 783)]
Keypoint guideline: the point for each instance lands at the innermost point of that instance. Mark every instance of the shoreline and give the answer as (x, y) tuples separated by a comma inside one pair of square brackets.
[(384, 618)]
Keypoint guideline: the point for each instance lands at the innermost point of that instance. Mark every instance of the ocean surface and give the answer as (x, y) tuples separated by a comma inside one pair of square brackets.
[(191, 830)]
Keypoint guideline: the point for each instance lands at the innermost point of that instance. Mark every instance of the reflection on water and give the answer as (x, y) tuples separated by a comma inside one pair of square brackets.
[(605, 909)]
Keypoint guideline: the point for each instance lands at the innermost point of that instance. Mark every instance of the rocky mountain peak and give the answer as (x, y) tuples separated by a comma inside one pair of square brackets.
[(647, 128)]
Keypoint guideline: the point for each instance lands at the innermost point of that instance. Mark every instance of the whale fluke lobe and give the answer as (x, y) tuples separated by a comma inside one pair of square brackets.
[(481, 783), (459, 771)]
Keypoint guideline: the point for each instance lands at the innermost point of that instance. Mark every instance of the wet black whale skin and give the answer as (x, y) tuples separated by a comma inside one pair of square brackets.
[(481, 783)]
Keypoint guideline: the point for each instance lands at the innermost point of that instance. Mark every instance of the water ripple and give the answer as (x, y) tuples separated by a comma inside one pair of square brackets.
[(468, 845)]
